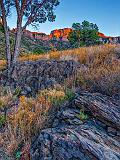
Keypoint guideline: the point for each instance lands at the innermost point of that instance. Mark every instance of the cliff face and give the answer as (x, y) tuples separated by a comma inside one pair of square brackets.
[(108, 39), (35, 35), (102, 35), (58, 33), (61, 33)]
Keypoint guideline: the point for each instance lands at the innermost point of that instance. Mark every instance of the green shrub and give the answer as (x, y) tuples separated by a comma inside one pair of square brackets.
[(1, 29), (17, 91), (82, 116), (69, 94), (2, 120), (38, 51)]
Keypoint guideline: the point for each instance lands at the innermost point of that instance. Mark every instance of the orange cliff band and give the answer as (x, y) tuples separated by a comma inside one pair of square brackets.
[(63, 34)]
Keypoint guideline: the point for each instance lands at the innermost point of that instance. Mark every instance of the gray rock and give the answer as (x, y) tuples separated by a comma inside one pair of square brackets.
[(41, 74), (100, 107), (82, 142), (112, 131), (71, 139)]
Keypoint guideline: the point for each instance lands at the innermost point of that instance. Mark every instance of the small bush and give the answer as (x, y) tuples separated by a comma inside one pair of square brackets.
[(56, 97), (1, 29), (54, 55), (2, 120), (38, 51), (69, 94), (82, 116)]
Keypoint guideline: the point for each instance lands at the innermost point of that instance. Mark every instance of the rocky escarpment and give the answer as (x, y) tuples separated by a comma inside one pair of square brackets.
[(33, 76), (70, 138)]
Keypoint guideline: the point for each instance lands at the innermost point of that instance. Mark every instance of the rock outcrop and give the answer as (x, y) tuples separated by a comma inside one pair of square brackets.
[(33, 76), (73, 139), (100, 107), (35, 35), (61, 33)]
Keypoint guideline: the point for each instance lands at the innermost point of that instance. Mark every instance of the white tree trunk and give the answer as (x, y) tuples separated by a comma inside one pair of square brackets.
[(8, 54), (17, 41), (7, 38)]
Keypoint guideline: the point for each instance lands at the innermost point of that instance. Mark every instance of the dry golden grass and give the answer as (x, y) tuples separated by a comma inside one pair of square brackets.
[(28, 118), (33, 57), (30, 57), (2, 64), (102, 66), (100, 72), (83, 54), (24, 123)]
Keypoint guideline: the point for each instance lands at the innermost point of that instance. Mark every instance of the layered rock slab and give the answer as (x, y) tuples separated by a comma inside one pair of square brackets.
[(75, 143), (88, 140), (101, 107)]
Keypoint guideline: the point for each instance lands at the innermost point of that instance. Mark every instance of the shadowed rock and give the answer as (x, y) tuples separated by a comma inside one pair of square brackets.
[(101, 107), (85, 140), (40, 74)]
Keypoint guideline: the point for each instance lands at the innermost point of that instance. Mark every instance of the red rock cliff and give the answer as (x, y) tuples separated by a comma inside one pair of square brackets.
[(61, 33), (35, 35)]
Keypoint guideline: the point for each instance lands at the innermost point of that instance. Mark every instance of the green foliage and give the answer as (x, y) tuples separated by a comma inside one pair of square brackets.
[(43, 13), (69, 94), (1, 29), (74, 38), (82, 116), (58, 101), (2, 120), (38, 51), (17, 91), (76, 26), (18, 155), (85, 34)]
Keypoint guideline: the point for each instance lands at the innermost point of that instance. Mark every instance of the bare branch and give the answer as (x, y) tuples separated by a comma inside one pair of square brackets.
[(23, 6), (33, 15), (17, 8)]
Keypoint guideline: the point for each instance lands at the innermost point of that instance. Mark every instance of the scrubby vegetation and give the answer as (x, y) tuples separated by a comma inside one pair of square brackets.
[(100, 70), (22, 118), (100, 66)]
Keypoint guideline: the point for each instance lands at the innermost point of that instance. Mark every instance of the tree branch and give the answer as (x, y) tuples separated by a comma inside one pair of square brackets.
[(23, 6), (17, 8), (33, 15)]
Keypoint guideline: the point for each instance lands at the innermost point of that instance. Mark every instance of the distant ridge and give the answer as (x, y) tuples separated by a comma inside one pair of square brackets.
[(62, 34)]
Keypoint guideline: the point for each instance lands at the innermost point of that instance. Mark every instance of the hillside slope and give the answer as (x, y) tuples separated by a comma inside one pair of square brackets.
[(66, 106), (29, 45)]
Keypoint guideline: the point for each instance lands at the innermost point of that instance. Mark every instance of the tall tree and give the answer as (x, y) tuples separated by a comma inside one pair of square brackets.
[(84, 34), (28, 12)]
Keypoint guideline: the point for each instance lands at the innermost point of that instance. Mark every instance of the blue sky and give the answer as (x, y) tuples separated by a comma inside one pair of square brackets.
[(105, 13)]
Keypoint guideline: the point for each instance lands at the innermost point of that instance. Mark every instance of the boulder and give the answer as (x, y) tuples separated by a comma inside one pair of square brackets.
[(83, 142), (101, 107), (69, 138), (40, 74)]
